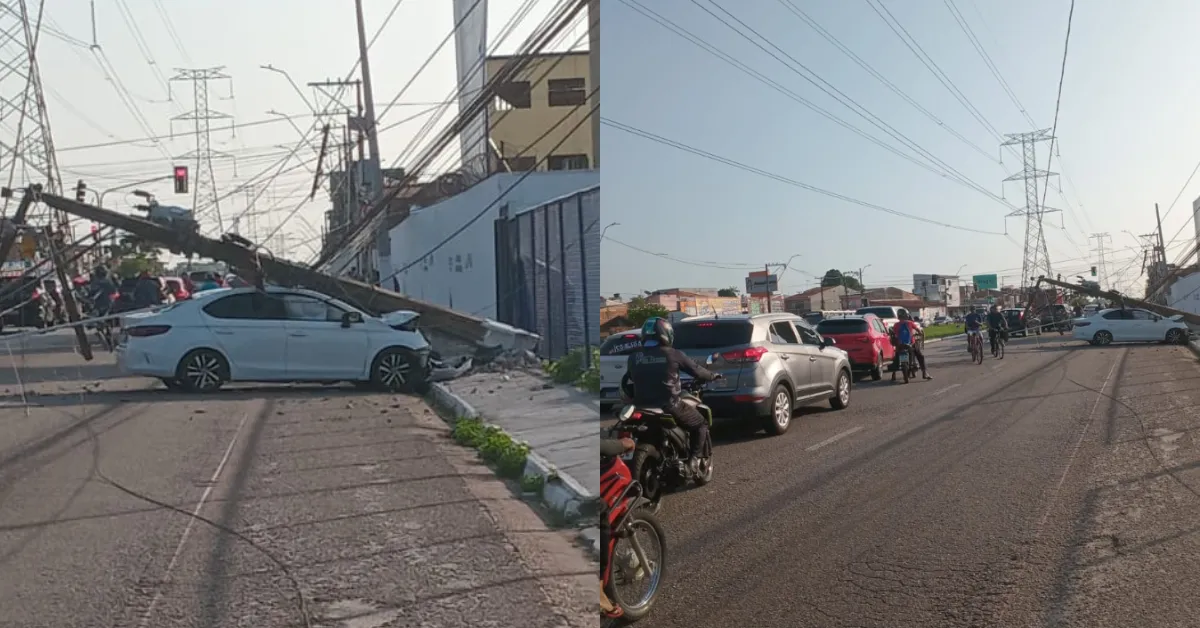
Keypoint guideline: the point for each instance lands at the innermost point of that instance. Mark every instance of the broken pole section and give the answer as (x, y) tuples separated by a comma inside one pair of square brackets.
[(68, 295)]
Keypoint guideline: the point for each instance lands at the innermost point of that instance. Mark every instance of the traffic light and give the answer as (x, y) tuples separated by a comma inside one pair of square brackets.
[(181, 180), (80, 191), (1093, 271)]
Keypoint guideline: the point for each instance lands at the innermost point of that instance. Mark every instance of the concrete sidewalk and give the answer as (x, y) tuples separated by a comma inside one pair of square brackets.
[(559, 423)]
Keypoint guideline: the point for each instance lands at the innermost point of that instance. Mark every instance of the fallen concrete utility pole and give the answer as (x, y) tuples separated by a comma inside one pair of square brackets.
[(377, 300), (1117, 297)]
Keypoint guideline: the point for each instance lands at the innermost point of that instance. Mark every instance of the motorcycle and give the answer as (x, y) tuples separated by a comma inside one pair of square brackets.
[(628, 514), (908, 362), (659, 462)]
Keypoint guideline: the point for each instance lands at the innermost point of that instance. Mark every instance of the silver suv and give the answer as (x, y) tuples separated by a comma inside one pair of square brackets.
[(772, 363)]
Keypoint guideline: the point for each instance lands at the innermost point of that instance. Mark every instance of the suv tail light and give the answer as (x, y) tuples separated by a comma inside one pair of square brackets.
[(753, 354), (146, 331)]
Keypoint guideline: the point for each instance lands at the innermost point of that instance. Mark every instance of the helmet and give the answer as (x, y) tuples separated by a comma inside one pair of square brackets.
[(659, 331), (100, 272), (903, 315)]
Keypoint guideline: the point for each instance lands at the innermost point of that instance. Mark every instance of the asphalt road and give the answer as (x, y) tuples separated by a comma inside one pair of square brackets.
[(1011, 493), (124, 505)]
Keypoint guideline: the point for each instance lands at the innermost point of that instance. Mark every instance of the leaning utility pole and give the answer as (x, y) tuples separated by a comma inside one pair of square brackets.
[(1036, 261), (374, 170), (30, 158), (1101, 264), (205, 188)]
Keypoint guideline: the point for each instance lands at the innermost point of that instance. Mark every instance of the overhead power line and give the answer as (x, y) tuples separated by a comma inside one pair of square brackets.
[(782, 179)]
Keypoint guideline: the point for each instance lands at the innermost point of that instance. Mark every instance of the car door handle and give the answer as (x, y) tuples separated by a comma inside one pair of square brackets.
[(297, 334), (786, 357), (812, 358)]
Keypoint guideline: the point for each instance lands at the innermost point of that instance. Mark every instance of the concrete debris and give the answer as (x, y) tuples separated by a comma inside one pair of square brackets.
[(446, 370)]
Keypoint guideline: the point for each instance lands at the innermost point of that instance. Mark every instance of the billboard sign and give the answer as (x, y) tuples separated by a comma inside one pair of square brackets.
[(762, 284), (986, 282)]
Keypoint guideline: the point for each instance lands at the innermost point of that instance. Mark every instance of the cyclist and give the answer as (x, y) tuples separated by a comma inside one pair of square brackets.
[(974, 323), (906, 332), (996, 324)]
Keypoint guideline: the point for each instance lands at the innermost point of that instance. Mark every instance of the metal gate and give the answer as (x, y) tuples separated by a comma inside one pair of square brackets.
[(548, 271)]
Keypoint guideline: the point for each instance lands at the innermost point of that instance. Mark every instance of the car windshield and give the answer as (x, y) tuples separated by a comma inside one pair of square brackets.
[(881, 312), (835, 326), (712, 334)]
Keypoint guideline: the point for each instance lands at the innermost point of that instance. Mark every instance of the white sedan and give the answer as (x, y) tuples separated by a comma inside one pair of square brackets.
[(1130, 325), (280, 335)]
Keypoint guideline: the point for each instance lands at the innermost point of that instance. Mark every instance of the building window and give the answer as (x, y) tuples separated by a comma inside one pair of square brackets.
[(567, 162), (567, 92), (521, 164), (514, 95)]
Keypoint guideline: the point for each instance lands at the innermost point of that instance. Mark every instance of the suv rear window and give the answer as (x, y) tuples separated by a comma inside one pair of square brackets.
[(881, 312), (620, 344), (712, 334), (842, 326)]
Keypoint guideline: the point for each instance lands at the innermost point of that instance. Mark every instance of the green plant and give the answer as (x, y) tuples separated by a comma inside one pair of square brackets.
[(532, 484), (570, 369), (639, 309), (469, 432)]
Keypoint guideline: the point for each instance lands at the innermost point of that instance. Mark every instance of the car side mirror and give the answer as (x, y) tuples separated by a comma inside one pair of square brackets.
[(351, 318), (827, 342)]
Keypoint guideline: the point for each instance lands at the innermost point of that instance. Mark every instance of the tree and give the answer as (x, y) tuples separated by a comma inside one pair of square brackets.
[(727, 292), (639, 310), (835, 277)]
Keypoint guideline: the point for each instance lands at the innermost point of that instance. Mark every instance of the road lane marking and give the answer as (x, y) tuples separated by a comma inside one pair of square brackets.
[(833, 439), (946, 389), (187, 530)]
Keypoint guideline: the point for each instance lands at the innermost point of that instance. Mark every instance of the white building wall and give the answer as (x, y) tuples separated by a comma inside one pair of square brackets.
[(948, 291), (1184, 294), (462, 274)]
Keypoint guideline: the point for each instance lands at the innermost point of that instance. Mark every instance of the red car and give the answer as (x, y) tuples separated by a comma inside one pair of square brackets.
[(864, 338)]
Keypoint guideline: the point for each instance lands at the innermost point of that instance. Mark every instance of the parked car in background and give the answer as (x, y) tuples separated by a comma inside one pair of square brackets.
[(281, 335), (864, 339), (812, 318), (1130, 325), (772, 364), (175, 287), (614, 353), (1015, 318), (940, 319)]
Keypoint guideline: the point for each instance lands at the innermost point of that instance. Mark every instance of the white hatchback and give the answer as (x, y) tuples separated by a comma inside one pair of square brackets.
[(1129, 325), (280, 335), (614, 353)]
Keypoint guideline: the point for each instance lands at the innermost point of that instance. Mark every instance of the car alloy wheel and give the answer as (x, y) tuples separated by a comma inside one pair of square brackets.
[(783, 408), (203, 372), (1103, 338), (393, 370), (844, 389), (1175, 336)]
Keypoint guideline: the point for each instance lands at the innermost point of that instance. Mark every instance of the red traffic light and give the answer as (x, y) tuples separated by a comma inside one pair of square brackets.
[(181, 179)]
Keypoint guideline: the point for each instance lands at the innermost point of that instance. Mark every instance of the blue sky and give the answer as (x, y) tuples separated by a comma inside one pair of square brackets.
[(1127, 130)]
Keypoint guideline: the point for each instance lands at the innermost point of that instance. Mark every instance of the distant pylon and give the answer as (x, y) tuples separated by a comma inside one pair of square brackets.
[(204, 183), (30, 157), (1101, 263), (1036, 261)]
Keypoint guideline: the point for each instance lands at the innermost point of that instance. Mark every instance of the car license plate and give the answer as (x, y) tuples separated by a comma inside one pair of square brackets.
[(904, 357), (612, 393)]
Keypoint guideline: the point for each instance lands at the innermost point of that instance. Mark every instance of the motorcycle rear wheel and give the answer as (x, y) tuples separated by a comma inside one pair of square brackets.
[(644, 467)]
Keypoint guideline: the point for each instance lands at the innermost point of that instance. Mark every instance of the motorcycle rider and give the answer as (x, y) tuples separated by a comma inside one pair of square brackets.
[(996, 324), (652, 379), (906, 332), (609, 448), (101, 290)]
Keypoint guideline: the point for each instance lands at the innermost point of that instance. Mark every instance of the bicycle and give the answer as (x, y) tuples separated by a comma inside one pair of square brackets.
[(975, 343), (998, 345)]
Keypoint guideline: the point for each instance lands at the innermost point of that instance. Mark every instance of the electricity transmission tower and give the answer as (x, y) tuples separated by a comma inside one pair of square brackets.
[(204, 183), (1101, 264), (1037, 257), (30, 158)]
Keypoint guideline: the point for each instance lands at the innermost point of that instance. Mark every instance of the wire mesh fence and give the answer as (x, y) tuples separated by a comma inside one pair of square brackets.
[(548, 272)]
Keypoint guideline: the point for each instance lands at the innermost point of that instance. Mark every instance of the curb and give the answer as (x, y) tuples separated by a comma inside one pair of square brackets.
[(560, 492), (1194, 345)]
